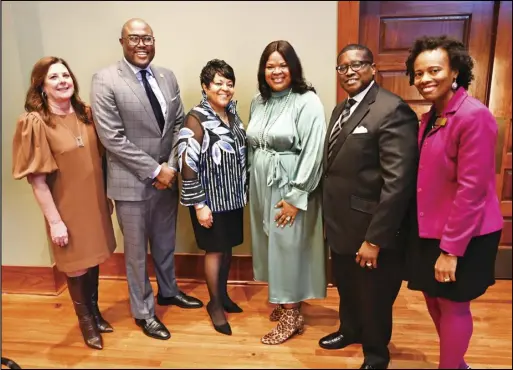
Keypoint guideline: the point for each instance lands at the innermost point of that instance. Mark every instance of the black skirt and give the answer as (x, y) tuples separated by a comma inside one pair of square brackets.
[(475, 271), (226, 231)]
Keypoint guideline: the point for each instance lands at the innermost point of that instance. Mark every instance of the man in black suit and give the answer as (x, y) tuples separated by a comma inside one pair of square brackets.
[(370, 166)]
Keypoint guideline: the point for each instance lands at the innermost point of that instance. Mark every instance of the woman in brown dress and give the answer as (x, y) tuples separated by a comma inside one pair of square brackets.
[(55, 146)]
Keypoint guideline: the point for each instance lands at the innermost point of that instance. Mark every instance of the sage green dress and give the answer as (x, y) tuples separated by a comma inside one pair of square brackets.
[(287, 166)]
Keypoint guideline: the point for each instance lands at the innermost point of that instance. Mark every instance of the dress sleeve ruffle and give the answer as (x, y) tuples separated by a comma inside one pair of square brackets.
[(31, 153)]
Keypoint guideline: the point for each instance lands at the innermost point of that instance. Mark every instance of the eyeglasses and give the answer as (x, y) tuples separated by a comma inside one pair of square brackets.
[(355, 66), (133, 40)]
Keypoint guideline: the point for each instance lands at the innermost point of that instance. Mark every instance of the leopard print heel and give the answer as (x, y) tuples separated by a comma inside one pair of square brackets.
[(276, 314), (290, 323)]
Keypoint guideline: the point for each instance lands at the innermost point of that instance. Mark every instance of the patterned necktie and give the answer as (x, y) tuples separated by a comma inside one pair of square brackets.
[(155, 105), (338, 126)]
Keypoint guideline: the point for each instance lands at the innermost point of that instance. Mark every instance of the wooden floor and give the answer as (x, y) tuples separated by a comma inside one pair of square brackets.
[(42, 332)]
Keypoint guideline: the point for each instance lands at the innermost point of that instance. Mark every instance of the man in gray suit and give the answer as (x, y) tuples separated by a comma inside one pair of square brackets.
[(138, 111)]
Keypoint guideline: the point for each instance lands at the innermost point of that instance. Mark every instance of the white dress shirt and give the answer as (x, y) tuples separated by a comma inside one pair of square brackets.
[(359, 97)]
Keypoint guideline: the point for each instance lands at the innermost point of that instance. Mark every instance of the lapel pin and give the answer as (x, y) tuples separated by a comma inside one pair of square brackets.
[(441, 122)]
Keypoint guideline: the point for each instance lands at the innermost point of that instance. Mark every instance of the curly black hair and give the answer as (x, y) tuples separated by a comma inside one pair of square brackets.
[(216, 66), (298, 82), (459, 58)]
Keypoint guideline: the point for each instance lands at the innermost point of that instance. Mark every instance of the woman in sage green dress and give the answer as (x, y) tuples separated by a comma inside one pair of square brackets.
[(285, 138)]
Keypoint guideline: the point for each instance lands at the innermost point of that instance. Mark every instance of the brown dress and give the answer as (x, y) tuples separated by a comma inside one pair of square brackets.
[(75, 180)]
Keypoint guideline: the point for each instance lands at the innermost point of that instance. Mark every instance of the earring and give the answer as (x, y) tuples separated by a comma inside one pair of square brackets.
[(454, 85), (43, 94)]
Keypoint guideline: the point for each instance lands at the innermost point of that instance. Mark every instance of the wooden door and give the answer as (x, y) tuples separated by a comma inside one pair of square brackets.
[(504, 183), (500, 105), (389, 28)]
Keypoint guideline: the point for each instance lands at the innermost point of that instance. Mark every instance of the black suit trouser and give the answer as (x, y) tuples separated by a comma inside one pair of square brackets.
[(366, 300)]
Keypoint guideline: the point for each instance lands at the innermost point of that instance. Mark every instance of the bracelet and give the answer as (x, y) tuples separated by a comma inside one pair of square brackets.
[(199, 206)]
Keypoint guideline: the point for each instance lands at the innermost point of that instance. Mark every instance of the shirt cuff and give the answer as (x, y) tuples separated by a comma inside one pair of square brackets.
[(156, 172)]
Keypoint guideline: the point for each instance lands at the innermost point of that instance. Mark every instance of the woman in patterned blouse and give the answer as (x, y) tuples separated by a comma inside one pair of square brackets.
[(212, 159)]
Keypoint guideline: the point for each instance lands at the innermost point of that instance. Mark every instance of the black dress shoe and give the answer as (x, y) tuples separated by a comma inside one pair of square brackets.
[(336, 340), (153, 328), (231, 307), (368, 366), (181, 300)]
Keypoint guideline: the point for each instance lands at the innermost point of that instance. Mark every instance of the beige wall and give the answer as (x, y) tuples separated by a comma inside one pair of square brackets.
[(187, 33), (23, 233)]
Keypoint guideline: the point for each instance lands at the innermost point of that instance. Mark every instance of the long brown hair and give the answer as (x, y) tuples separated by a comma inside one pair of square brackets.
[(35, 102)]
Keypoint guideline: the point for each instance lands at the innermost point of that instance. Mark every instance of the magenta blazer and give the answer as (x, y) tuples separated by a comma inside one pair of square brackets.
[(456, 196)]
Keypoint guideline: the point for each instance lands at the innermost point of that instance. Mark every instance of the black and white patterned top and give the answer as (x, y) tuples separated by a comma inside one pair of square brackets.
[(212, 159)]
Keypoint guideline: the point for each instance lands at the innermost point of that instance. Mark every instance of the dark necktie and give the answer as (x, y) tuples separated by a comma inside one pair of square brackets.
[(155, 105), (338, 125)]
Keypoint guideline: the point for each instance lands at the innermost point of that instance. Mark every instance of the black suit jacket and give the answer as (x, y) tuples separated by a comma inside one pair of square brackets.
[(369, 181)]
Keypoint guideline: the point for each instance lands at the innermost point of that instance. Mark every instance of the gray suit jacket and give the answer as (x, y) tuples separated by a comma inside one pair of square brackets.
[(128, 129)]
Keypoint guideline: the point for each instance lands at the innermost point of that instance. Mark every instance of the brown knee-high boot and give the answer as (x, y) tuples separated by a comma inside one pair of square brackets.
[(80, 293), (101, 323)]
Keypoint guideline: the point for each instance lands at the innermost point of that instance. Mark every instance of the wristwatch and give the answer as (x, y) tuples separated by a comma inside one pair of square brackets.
[(199, 206)]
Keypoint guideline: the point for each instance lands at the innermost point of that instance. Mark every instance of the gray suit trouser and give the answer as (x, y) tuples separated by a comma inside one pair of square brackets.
[(154, 221)]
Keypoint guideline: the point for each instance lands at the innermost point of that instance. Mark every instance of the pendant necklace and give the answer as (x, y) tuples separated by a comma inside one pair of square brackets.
[(264, 132), (78, 139)]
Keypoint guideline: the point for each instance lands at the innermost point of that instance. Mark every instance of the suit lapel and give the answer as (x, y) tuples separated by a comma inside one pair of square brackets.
[(355, 119), (130, 78), (334, 117), (164, 88)]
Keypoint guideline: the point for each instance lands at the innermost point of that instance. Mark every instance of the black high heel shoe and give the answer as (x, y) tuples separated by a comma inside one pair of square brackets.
[(223, 329), (231, 307)]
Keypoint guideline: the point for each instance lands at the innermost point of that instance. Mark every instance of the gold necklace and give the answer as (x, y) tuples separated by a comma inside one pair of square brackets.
[(78, 139)]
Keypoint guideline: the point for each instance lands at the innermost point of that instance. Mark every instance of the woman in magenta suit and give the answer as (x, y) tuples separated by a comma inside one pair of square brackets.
[(458, 211)]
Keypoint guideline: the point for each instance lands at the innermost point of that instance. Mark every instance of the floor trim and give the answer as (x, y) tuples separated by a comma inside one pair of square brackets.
[(189, 266), (33, 280), (50, 281)]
